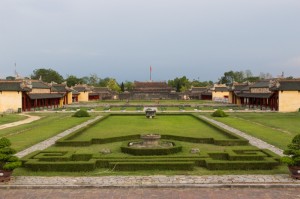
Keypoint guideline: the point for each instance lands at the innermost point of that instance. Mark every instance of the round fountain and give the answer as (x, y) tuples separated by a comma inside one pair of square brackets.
[(151, 144), (151, 141)]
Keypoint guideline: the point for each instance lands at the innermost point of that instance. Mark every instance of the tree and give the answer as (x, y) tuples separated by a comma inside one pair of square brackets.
[(265, 76), (73, 80), (113, 85), (47, 75), (122, 87), (197, 83), (228, 78), (10, 78), (93, 80), (103, 82), (181, 84), (128, 85)]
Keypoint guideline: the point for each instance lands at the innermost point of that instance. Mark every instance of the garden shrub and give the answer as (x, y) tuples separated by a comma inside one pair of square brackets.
[(81, 113), (293, 152), (219, 113), (151, 151), (267, 164), (133, 166), (7, 160), (69, 166)]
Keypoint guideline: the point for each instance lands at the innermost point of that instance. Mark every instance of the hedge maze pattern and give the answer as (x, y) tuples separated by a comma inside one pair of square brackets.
[(229, 159)]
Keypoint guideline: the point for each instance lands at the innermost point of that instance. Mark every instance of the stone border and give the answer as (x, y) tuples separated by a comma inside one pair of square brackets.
[(46, 143), (159, 181), (252, 140)]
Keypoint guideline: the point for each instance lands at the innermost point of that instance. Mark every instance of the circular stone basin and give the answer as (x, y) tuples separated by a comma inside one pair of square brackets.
[(151, 141)]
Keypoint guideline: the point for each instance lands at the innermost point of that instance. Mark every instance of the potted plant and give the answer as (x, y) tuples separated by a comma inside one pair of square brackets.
[(8, 162), (293, 157)]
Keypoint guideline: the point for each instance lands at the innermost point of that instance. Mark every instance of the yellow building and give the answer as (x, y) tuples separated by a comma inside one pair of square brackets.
[(288, 95), (83, 91), (220, 93), (10, 96), (64, 90), (28, 95)]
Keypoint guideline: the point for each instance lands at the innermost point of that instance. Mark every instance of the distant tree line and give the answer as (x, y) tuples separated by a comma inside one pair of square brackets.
[(180, 84)]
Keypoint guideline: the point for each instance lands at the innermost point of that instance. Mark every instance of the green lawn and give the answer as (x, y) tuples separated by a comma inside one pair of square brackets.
[(49, 125), (9, 118), (129, 125), (275, 128)]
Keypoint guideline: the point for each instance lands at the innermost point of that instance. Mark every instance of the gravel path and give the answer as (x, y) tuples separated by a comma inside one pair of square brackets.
[(154, 181), (30, 118), (252, 140), (46, 143)]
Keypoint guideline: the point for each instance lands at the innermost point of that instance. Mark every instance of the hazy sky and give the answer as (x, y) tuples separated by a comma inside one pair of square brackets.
[(200, 39)]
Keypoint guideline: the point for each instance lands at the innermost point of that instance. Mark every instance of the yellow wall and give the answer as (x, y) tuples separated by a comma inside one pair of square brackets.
[(219, 95), (238, 101), (83, 96), (10, 100), (69, 98), (40, 90), (289, 101), (230, 98), (61, 102)]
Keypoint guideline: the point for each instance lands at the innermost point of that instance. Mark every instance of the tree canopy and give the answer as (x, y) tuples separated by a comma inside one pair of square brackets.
[(47, 75)]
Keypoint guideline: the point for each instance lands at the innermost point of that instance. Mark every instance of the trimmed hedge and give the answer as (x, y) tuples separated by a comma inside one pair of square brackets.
[(70, 166), (219, 113), (134, 166), (267, 164), (151, 151), (81, 113)]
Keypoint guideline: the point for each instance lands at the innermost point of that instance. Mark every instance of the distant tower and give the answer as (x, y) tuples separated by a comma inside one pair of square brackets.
[(17, 76), (150, 73)]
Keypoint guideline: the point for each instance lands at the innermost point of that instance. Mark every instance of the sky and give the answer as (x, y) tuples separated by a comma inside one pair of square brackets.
[(199, 39)]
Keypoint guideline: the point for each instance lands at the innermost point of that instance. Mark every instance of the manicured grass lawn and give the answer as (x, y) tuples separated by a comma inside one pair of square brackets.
[(275, 128), (120, 125), (50, 124), (129, 125), (9, 118)]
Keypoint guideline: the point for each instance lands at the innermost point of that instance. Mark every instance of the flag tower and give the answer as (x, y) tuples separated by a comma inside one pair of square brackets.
[(150, 73)]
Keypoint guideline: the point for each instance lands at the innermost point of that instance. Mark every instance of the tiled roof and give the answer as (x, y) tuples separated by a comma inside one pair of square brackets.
[(60, 88), (39, 84), (10, 86), (288, 85), (80, 88), (101, 90), (45, 96), (261, 84), (157, 85), (206, 93), (221, 89), (254, 95), (198, 89), (240, 87)]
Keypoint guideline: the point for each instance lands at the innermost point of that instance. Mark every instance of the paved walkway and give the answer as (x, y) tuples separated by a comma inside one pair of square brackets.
[(30, 118), (46, 143), (159, 181), (156, 193), (252, 140)]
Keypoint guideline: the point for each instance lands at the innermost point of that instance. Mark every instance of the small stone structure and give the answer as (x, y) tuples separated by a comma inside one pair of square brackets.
[(150, 113), (150, 139), (194, 151)]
